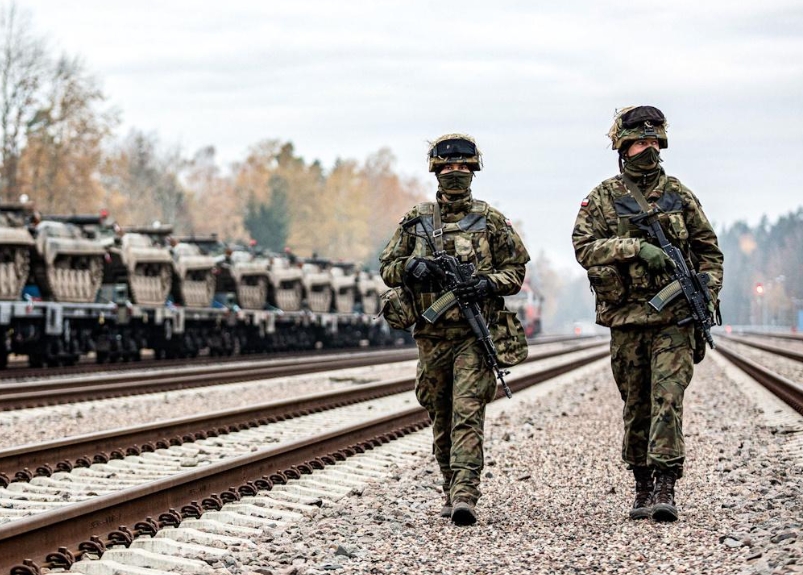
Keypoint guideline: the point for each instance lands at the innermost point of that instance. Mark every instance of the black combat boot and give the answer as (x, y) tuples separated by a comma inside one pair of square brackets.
[(642, 506), (446, 510), (463, 513), (663, 508)]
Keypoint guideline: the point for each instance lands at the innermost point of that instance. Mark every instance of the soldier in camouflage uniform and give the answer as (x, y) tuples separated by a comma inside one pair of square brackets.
[(651, 356), (453, 382)]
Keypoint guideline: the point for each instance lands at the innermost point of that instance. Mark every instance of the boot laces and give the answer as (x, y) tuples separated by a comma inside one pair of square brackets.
[(664, 488), (644, 488)]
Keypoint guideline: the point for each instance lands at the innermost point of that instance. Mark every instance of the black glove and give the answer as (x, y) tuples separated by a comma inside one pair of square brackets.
[(421, 269), (476, 288)]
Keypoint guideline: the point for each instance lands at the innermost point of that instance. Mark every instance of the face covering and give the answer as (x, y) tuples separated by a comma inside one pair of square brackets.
[(643, 163), (455, 181)]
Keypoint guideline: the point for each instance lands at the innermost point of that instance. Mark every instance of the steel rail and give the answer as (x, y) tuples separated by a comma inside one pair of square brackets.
[(789, 391), (59, 537), (792, 336), (244, 365), (72, 390), (18, 369), (24, 462), (38, 394), (43, 459), (796, 355)]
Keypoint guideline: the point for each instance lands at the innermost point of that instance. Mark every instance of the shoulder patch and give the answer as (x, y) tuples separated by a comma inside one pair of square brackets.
[(509, 223), (584, 203)]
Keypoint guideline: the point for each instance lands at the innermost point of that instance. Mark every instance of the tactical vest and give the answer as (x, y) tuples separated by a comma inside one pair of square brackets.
[(619, 207), (466, 239)]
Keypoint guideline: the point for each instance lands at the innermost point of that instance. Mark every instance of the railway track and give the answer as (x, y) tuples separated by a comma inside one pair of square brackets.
[(788, 353), (71, 390), (789, 391), (789, 336), (43, 459), (56, 536), (17, 368), (54, 391)]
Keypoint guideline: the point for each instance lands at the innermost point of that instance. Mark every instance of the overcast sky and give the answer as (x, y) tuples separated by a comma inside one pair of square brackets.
[(535, 83)]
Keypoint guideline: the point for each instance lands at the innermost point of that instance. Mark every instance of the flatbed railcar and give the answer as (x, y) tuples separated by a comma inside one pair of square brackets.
[(57, 333)]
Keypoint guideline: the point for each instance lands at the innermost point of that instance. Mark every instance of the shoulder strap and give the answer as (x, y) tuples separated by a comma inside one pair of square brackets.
[(479, 207), (437, 225)]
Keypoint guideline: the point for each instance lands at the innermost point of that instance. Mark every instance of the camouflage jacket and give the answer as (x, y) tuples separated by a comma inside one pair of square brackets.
[(473, 232), (604, 236)]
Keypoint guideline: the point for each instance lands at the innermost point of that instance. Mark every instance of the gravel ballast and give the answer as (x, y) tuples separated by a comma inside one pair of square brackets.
[(556, 496)]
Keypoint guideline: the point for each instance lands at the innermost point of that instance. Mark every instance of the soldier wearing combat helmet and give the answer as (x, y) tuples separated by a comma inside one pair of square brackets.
[(651, 355), (453, 382)]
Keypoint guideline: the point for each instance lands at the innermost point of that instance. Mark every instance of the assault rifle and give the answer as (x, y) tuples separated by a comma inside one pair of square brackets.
[(454, 273), (693, 285)]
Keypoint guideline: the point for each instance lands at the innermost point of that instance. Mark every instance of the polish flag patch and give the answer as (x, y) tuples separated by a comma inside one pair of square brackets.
[(584, 203)]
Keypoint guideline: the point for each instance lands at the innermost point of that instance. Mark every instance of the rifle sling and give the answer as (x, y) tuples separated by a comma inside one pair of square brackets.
[(636, 193)]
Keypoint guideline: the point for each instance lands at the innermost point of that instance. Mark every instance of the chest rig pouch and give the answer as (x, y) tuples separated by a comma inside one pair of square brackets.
[(670, 206), (466, 239)]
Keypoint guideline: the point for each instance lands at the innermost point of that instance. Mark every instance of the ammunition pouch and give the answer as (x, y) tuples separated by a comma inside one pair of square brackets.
[(397, 308), (508, 337), (607, 284)]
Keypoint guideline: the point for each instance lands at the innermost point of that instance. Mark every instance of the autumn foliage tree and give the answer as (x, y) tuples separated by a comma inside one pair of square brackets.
[(59, 147), (58, 167)]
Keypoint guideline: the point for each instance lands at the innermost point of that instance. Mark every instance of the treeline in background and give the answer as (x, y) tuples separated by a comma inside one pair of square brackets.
[(60, 147), (763, 282)]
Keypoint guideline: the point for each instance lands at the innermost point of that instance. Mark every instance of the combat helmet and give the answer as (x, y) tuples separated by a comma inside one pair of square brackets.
[(638, 123), (454, 149)]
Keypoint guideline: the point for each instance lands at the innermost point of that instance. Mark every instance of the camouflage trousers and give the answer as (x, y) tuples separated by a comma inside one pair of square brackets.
[(652, 367), (454, 385)]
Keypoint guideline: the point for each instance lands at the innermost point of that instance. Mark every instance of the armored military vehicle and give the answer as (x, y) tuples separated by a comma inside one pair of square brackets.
[(286, 286), (317, 284), (369, 286), (241, 278), (66, 265), (193, 275), (344, 286), (15, 249)]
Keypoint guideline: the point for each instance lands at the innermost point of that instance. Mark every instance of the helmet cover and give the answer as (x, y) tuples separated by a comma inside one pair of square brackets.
[(454, 149), (638, 123)]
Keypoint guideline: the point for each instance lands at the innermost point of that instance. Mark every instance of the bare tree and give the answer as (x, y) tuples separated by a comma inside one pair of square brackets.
[(64, 140), (23, 65)]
